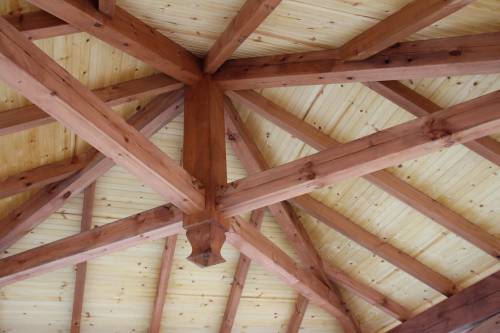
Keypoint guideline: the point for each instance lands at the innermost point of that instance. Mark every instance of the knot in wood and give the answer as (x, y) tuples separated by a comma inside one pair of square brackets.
[(437, 129)]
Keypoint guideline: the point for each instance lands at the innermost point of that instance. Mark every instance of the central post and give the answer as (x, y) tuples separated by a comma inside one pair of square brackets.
[(204, 157)]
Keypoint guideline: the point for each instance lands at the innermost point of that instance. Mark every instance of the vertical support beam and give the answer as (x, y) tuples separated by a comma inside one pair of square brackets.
[(298, 314), (81, 269), (240, 277), (161, 290), (205, 156)]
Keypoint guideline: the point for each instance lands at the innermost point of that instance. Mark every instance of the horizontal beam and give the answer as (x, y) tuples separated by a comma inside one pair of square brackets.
[(420, 106), (461, 123), (27, 117), (154, 224), (383, 249), (150, 119), (250, 16), (477, 54), (33, 73), (128, 34), (411, 18), (383, 179), (473, 304), (261, 250), (40, 25)]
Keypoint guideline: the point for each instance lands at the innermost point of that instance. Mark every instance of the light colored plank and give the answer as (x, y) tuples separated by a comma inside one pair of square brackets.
[(33, 73)]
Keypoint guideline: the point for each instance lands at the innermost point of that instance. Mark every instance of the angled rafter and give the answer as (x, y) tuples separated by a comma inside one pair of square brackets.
[(129, 34), (204, 156), (81, 268), (248, 153), (239, 280), (38, 177), (283, 213), (39, 78), (161, 289), (47, 201), (383, 179), (39, 25), (420, 106), (385, 250), (473, 304), (413, 17), (477, 54), (27, 117), (251, 243), (251, 15), (460, 123), (154, 224)]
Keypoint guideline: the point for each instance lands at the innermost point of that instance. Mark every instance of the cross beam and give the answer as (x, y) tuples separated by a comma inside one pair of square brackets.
[(29, 70)]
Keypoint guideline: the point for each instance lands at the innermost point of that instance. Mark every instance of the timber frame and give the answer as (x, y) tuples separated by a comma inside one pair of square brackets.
[(201, 202)]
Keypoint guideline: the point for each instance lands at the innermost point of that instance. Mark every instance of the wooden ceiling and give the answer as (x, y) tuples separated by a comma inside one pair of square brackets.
[(367, 252)]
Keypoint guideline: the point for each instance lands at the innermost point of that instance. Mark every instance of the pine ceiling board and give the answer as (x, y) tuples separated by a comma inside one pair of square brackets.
[(478, 17), (297, 25), (43, 303), (195, 24)]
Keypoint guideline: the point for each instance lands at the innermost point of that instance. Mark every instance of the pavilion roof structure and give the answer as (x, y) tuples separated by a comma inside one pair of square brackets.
[(250, 166)]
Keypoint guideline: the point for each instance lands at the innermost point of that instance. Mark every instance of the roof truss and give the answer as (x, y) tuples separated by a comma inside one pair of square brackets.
[(367, 57)]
